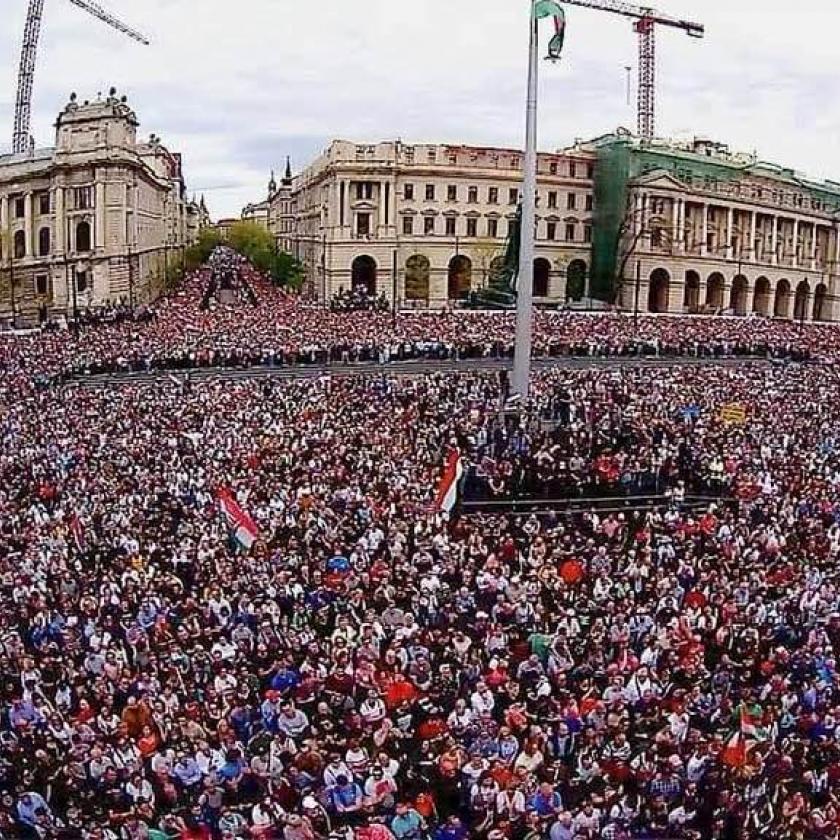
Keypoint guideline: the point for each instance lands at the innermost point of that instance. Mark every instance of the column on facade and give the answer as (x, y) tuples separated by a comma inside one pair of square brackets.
[(751, 244), (774, 256), (730, 231), (795, 243), (28, 222), (637, 214), (645, 217), (99, 238), (4, 226), (813, 256), (677, 202), (387, 200), (705, 230), (60, 222)]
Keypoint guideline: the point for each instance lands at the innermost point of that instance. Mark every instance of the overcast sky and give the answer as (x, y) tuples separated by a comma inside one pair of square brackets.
[(237, 86)]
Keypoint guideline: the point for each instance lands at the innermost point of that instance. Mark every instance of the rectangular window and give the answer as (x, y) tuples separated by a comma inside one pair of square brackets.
[(363, 224), (589, 201), (571, 201), (450, 226), (430, 192), (368, 190), (551, 230), (513, 195), (408, 192), (83, 198), (472, 195), (552, 200), (408, 225), (570, 232), (493, 228), (429, 225), (41, 285), (587, 233), (552, 168), (572, 169), (590, 171), (44, 204), (452, 192), (493, 195), (20, 207), (472, 227)]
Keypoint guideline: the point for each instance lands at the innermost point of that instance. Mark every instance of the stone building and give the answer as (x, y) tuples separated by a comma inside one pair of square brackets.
[(695, 228), (96, 219), (661, 226), (426, 224)]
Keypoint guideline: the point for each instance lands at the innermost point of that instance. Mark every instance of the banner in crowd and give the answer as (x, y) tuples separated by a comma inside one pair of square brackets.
[(447, 495), (243, 529), (734, 413)]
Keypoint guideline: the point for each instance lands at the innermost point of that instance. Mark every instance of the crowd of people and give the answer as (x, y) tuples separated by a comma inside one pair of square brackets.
[(235, 610), (228, 314), (358, 299)]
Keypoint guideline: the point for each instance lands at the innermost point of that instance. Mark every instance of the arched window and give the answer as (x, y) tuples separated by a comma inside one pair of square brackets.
[(417, 272), (83, 236), (363, 274), (542, 273), (459, 282), (44, 242), (20, 245), (659, 290)]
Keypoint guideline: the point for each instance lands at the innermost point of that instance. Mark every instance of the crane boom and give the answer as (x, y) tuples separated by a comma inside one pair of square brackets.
[(26, 76), (28, 58), (619, 7), (98, 12), (646, 21)]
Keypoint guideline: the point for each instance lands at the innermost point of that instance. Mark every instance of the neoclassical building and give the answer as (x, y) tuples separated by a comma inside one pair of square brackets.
[(695, 228), (95, 219), (426, 224), (655, 226)]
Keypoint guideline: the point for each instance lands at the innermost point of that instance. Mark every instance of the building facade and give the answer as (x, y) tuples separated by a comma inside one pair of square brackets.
[(94, 220), (658, 227), (694, 228), (424, 225)]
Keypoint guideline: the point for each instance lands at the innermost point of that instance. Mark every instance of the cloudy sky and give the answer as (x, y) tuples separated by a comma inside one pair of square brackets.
[(237, 86)]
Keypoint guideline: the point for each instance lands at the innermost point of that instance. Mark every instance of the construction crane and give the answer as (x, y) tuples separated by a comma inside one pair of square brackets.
[(646, 21), (26, 75)]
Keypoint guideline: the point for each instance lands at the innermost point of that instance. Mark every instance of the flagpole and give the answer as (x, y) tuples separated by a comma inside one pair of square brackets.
[(524, 301)]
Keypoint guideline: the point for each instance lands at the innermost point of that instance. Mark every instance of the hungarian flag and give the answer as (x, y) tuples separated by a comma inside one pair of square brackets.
[(242, 527), (550, 8), (447, 494)]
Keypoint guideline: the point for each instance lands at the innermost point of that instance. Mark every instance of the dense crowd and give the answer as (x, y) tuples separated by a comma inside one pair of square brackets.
[(257, 324), (358, 299), (369, 667)]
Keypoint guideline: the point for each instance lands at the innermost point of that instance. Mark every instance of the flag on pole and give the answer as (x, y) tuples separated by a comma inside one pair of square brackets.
[(550, 8), (447, 494), (242, 527)]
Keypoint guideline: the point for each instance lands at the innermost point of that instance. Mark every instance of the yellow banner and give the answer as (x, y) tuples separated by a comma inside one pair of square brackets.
[(734, 413)]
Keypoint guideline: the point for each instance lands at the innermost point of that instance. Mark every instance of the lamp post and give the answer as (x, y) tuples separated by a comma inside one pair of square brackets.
[(524, 298)]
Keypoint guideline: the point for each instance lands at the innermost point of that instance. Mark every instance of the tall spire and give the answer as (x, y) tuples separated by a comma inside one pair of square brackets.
[(272, 186), (287, 178)]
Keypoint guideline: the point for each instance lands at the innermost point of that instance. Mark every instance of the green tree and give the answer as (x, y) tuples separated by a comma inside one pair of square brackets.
[(198, 254), (257, 244)]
